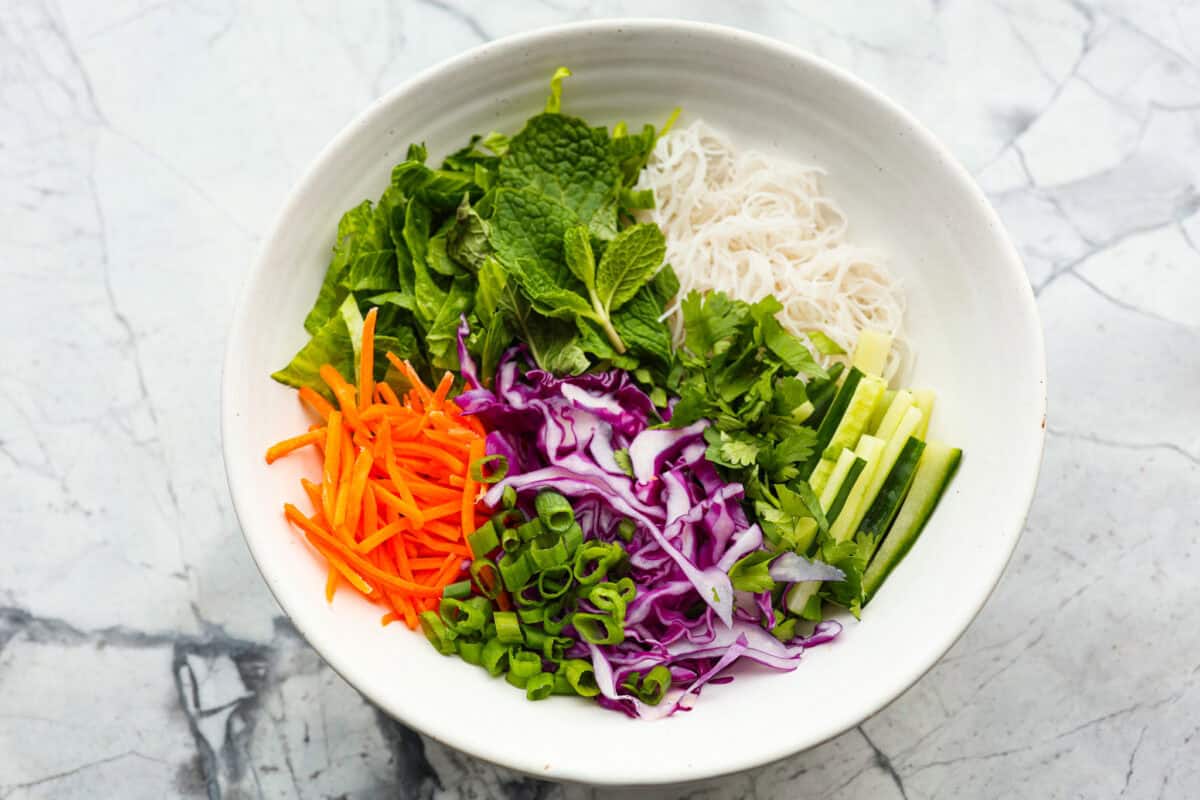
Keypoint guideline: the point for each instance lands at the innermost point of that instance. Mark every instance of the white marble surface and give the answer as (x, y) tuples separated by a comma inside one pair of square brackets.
[(145, 146)]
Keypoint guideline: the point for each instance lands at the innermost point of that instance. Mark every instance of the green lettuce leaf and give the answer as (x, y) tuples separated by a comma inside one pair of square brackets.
[(336, 342)]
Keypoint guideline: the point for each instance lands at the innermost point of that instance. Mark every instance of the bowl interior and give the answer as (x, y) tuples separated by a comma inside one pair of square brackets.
[(971, 320)]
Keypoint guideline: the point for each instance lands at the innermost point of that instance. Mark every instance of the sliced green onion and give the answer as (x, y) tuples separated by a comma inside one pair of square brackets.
[(510, 540), (572, 538), (471, 652), (486, 577), (515, 570), (483, 540), (509, 518), (626, 528), (581, 677), (561, 684), (598, 628), (528, 595), (494, 657), (553, 582), (530, 530), (655, 684), (607, 597), (495, 475), (557, 615), (508, 627), (457, 590), (539, 687), (531, 615), (509, 498), (516, 680), (524, 663), (548, 551), (555, 647), (628, 589), (593, 559), (441, 637), (554, 510), (463, 618), (535, 639)]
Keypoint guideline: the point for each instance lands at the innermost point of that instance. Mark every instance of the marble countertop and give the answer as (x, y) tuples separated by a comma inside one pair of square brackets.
[(145, 147)]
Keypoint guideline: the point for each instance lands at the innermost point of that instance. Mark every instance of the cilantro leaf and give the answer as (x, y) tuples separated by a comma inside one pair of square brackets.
[(623, 461), (751, 573)]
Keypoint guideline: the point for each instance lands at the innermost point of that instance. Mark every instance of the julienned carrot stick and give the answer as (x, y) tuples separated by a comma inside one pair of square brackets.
[(295, 443), (316, 402), (469, 489), (366, 361), (395, 500)]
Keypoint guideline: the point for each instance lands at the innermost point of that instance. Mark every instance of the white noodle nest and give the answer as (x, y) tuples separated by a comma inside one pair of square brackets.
[(750, 225)]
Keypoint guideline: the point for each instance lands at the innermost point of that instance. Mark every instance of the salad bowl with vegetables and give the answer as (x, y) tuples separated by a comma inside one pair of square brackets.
[(617, 431)]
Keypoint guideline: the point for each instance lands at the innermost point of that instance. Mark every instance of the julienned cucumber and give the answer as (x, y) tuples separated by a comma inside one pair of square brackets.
[(891, 452), (923, 399), (871, 352), (869, 450), (902, 401), (854, 421), (887, 503), (839, 502), (830, 487), (881, 408), (937, 466), (832, 417), (801, 599)]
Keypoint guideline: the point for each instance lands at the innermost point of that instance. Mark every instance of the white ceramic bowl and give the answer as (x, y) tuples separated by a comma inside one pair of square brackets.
[(971, 318)]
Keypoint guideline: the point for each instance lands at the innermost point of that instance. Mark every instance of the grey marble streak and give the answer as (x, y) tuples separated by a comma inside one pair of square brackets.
[(144, 147)]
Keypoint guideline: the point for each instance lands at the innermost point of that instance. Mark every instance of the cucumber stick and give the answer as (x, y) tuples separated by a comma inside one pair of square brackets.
[(901, 403), (821, 475), (891, 452), (881, 409), (869, 450), (801, 596), (881, 513), (838, 474), (937, 466), (832, 418), (839, 502), (854, 421), (871, 352), (923, 399)]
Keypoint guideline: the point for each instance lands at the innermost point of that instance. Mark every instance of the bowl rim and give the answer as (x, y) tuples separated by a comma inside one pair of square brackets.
[(667, 774)]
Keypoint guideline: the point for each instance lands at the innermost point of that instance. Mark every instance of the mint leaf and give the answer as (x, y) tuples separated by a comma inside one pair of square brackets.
[(554, 102), (639, 327), (569, 163), (577, 248), (629, 262), (527, 233)]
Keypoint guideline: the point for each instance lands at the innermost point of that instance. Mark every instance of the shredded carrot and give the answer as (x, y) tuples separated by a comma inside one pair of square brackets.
[(469, 488), (395, 499), (295, 443), (316, 402), (366, 360), (332, 467)]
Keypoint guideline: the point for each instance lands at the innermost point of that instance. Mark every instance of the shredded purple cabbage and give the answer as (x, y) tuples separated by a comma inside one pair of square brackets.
[(563, 433)]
